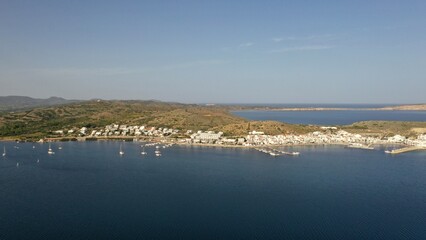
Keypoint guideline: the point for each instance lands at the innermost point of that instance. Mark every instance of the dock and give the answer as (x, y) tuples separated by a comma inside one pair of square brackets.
[(406, 149)]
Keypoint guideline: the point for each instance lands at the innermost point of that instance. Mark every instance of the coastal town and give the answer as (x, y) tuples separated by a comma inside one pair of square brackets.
[(327, 135)]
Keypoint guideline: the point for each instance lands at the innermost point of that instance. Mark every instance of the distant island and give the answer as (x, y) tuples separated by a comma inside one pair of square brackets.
[(192, 124)]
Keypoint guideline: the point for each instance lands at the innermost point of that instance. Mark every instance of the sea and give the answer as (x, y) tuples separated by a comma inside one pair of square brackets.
[(330, 117), (86, 190)]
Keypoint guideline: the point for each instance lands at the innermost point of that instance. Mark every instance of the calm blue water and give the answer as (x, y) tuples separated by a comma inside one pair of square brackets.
[(87, 191), (332, 117)]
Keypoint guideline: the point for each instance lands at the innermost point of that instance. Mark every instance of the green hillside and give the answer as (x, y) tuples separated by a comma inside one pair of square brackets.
[(39, 122)]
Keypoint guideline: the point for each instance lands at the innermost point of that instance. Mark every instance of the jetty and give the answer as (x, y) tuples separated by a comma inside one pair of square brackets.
[(406, 149)]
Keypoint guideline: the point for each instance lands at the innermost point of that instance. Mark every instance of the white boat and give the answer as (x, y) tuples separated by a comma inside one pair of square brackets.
[(59, 148), (17, 164), (359, 145), (143, 151), (50, 151), (121, 151), (4, 151)]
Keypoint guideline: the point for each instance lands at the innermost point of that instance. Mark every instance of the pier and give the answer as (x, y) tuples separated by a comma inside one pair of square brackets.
[(406, 149)]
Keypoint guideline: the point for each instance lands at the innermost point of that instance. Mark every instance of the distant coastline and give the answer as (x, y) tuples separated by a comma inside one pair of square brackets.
[(412, 107)]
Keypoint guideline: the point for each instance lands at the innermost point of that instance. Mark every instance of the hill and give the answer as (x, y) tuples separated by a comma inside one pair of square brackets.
[(39, 122), (13, 103), (387, 128)]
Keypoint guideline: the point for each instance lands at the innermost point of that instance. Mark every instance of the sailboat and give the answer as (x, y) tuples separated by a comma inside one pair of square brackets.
[(143, 150), (121, 151), (4, 151), (50, 151)]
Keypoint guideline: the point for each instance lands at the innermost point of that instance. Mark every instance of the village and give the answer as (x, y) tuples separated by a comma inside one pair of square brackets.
[(327, 135)]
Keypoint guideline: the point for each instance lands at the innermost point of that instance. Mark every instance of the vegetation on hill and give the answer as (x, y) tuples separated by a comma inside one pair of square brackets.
[(13, 103), (387, 128), (40, 122), (268, 127)]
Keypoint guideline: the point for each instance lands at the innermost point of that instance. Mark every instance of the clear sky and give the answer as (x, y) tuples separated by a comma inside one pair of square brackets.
[(215, 51)]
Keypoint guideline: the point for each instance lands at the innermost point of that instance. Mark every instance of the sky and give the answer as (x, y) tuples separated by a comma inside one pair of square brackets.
[(222, 51)]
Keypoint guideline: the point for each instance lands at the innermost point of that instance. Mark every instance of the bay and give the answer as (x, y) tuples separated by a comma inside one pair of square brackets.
[(87, 191), (331, 117)]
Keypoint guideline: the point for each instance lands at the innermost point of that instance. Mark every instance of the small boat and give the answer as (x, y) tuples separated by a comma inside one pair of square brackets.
[(360, 146), (33, 147), (121, 150), (4, 151), (50, 151), (17, 164), (38, 160), (60, 148), (143, 151)]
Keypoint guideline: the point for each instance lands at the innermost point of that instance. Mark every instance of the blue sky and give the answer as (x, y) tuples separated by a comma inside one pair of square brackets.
[(215, 51)]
